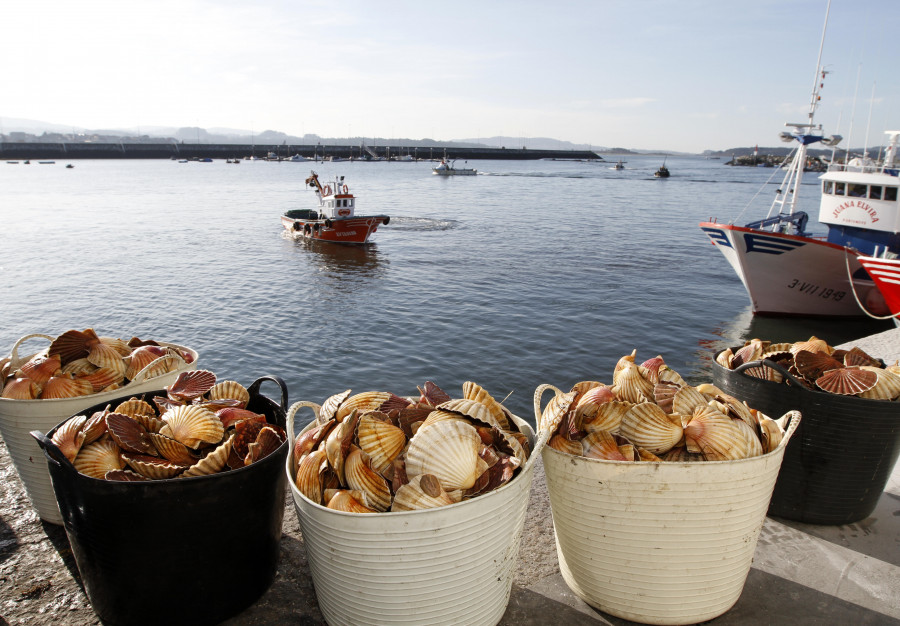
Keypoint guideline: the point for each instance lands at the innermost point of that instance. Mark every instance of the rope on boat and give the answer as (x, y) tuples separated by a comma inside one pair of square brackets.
[(856, 297), (789, 157)]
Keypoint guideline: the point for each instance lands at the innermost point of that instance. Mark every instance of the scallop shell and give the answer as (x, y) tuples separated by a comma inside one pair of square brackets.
[(566, 445), (668, 375), (308, 478), (96, 459), (103, 377), (191, 385), (422, 492), (589, 403), (887, 387), (602, 445), (856, 356), (609, 417), (631, 385), (337, 444), (152, 467), (686, 400), (812, 365), (79, 367), (151, 422), (764, 372), (230, 389), (129, 434), (359, 475), (117, 344), (582, 387), (71, 345), (267, 441), (724, 358), (192, 425), (95, 427), (622, 363), (106, 357), (770, 433), (715, 436), (365, 401), (647, 426), (231, 415), (143, 356), (124, 476), (847, 381), (380, 440), (69, 437), (135, 406), (681, 455), (212, 462), (64, 387), (344, 500), (474, 410), (555, 410), (40, 368), (474, 391), (664, 396), (650, 368), (646, 455), (813, 344), (754, 445), (329, 408), (449, 450), (21, 389), (172, 450), (750, 351)]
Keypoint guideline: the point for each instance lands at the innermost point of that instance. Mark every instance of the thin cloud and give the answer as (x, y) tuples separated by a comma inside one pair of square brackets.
[(615, 103)]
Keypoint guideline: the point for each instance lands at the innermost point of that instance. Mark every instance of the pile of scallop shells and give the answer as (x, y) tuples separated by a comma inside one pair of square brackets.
[(198, 428), (816, 365), (649, 413), (80, 363), (375, 451)]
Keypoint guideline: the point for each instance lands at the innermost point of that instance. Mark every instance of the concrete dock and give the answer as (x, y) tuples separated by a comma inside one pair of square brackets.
[(801, 573)]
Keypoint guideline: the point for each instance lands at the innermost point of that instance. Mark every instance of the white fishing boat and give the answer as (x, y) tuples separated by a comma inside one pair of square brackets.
[(789, 271), (620, 165), (446, 168)]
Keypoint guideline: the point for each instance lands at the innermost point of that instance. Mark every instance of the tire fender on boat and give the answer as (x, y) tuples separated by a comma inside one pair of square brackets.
[(328, 223), (386, 221), (296, 225)]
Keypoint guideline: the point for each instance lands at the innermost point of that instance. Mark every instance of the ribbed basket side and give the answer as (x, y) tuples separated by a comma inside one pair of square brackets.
[(449, 565), (20, 417), (658, 543)]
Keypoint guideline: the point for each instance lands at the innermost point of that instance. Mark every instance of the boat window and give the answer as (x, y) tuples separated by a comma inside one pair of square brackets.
[(839, 189), (829, 186), (890, 193), (856, 190), (875, 192)]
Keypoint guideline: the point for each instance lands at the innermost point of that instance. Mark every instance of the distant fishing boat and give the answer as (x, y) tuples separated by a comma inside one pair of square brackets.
[(620, 165), (446, 168), (663, 171)]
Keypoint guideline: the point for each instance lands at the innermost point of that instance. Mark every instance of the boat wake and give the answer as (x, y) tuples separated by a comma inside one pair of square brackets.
[(420, 224)]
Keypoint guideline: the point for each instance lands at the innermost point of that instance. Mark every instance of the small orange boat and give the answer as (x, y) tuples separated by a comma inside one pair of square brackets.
[(335, 219)]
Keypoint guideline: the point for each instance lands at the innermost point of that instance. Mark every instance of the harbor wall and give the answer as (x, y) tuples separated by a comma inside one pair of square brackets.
[(21, 151)]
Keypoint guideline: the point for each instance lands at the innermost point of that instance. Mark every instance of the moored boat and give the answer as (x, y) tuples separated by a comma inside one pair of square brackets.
[(885, 272), (789, 271), (335, 219)]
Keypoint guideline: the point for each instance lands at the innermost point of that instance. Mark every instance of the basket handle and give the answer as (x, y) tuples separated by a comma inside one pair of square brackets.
[(538, 412), (775, 366), (254, 388), (293, 411), (14, 361), (794, 417), (171, 353), (52, 450)]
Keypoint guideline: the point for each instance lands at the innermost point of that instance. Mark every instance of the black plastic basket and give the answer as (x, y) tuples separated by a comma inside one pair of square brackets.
[(180, 551), (841, 457)]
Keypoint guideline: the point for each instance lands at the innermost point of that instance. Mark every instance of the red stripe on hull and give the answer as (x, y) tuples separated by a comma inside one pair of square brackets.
[(886, 274), (354, 230)]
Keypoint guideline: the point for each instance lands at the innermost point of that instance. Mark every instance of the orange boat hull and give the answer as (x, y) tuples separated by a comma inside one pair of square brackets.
[(351, 230)]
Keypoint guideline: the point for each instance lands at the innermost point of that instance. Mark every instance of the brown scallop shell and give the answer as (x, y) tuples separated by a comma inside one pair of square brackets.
[(432, 395), (329, 408), (750, 351), (79, 367), (40, 368), (212, 462), (472, 409), (602, 445), (813, 344), (95, 426), (337, 444), (140, 358), (64, 387), (71, 345), (96, 459), (812, 365), (151, 422), (887, 387), (359, 475), (117, 344), (21, 389), (124, 476), (172, 450), (129, 434), (229, 389), (847, 381), (764, 372), (856, 356), (365, 401), (267, 441), (344, 500), (151, 466), (106, 357), (103, 377), (192, 425), (308, 478), (725, 358), (231, 415), (191, 385), (69, 437), (422, 492)]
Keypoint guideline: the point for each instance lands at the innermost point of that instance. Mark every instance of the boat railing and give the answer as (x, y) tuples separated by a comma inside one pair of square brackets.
[(875, 168)]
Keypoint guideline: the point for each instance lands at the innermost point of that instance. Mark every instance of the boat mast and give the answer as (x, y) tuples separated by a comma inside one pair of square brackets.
[(787, 194)]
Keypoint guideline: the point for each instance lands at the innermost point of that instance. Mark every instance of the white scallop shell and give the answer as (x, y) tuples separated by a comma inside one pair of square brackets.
[(96, 459), (380, 440), (193, 425), (449, 450), (230, 390), (474, 391), (647, 426), (359, 475)]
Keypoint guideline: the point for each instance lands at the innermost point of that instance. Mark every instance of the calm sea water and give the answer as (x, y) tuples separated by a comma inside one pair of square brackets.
[(529, 273)]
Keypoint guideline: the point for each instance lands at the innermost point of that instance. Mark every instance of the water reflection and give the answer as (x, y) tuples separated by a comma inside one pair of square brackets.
[(364, 260)]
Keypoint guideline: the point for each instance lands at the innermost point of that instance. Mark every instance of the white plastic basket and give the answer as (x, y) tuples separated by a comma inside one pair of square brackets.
[(449, 565), (658, 543), (19, 417)]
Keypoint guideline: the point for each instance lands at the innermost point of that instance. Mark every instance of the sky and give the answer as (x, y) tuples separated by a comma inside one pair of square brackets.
[(685, 75)]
